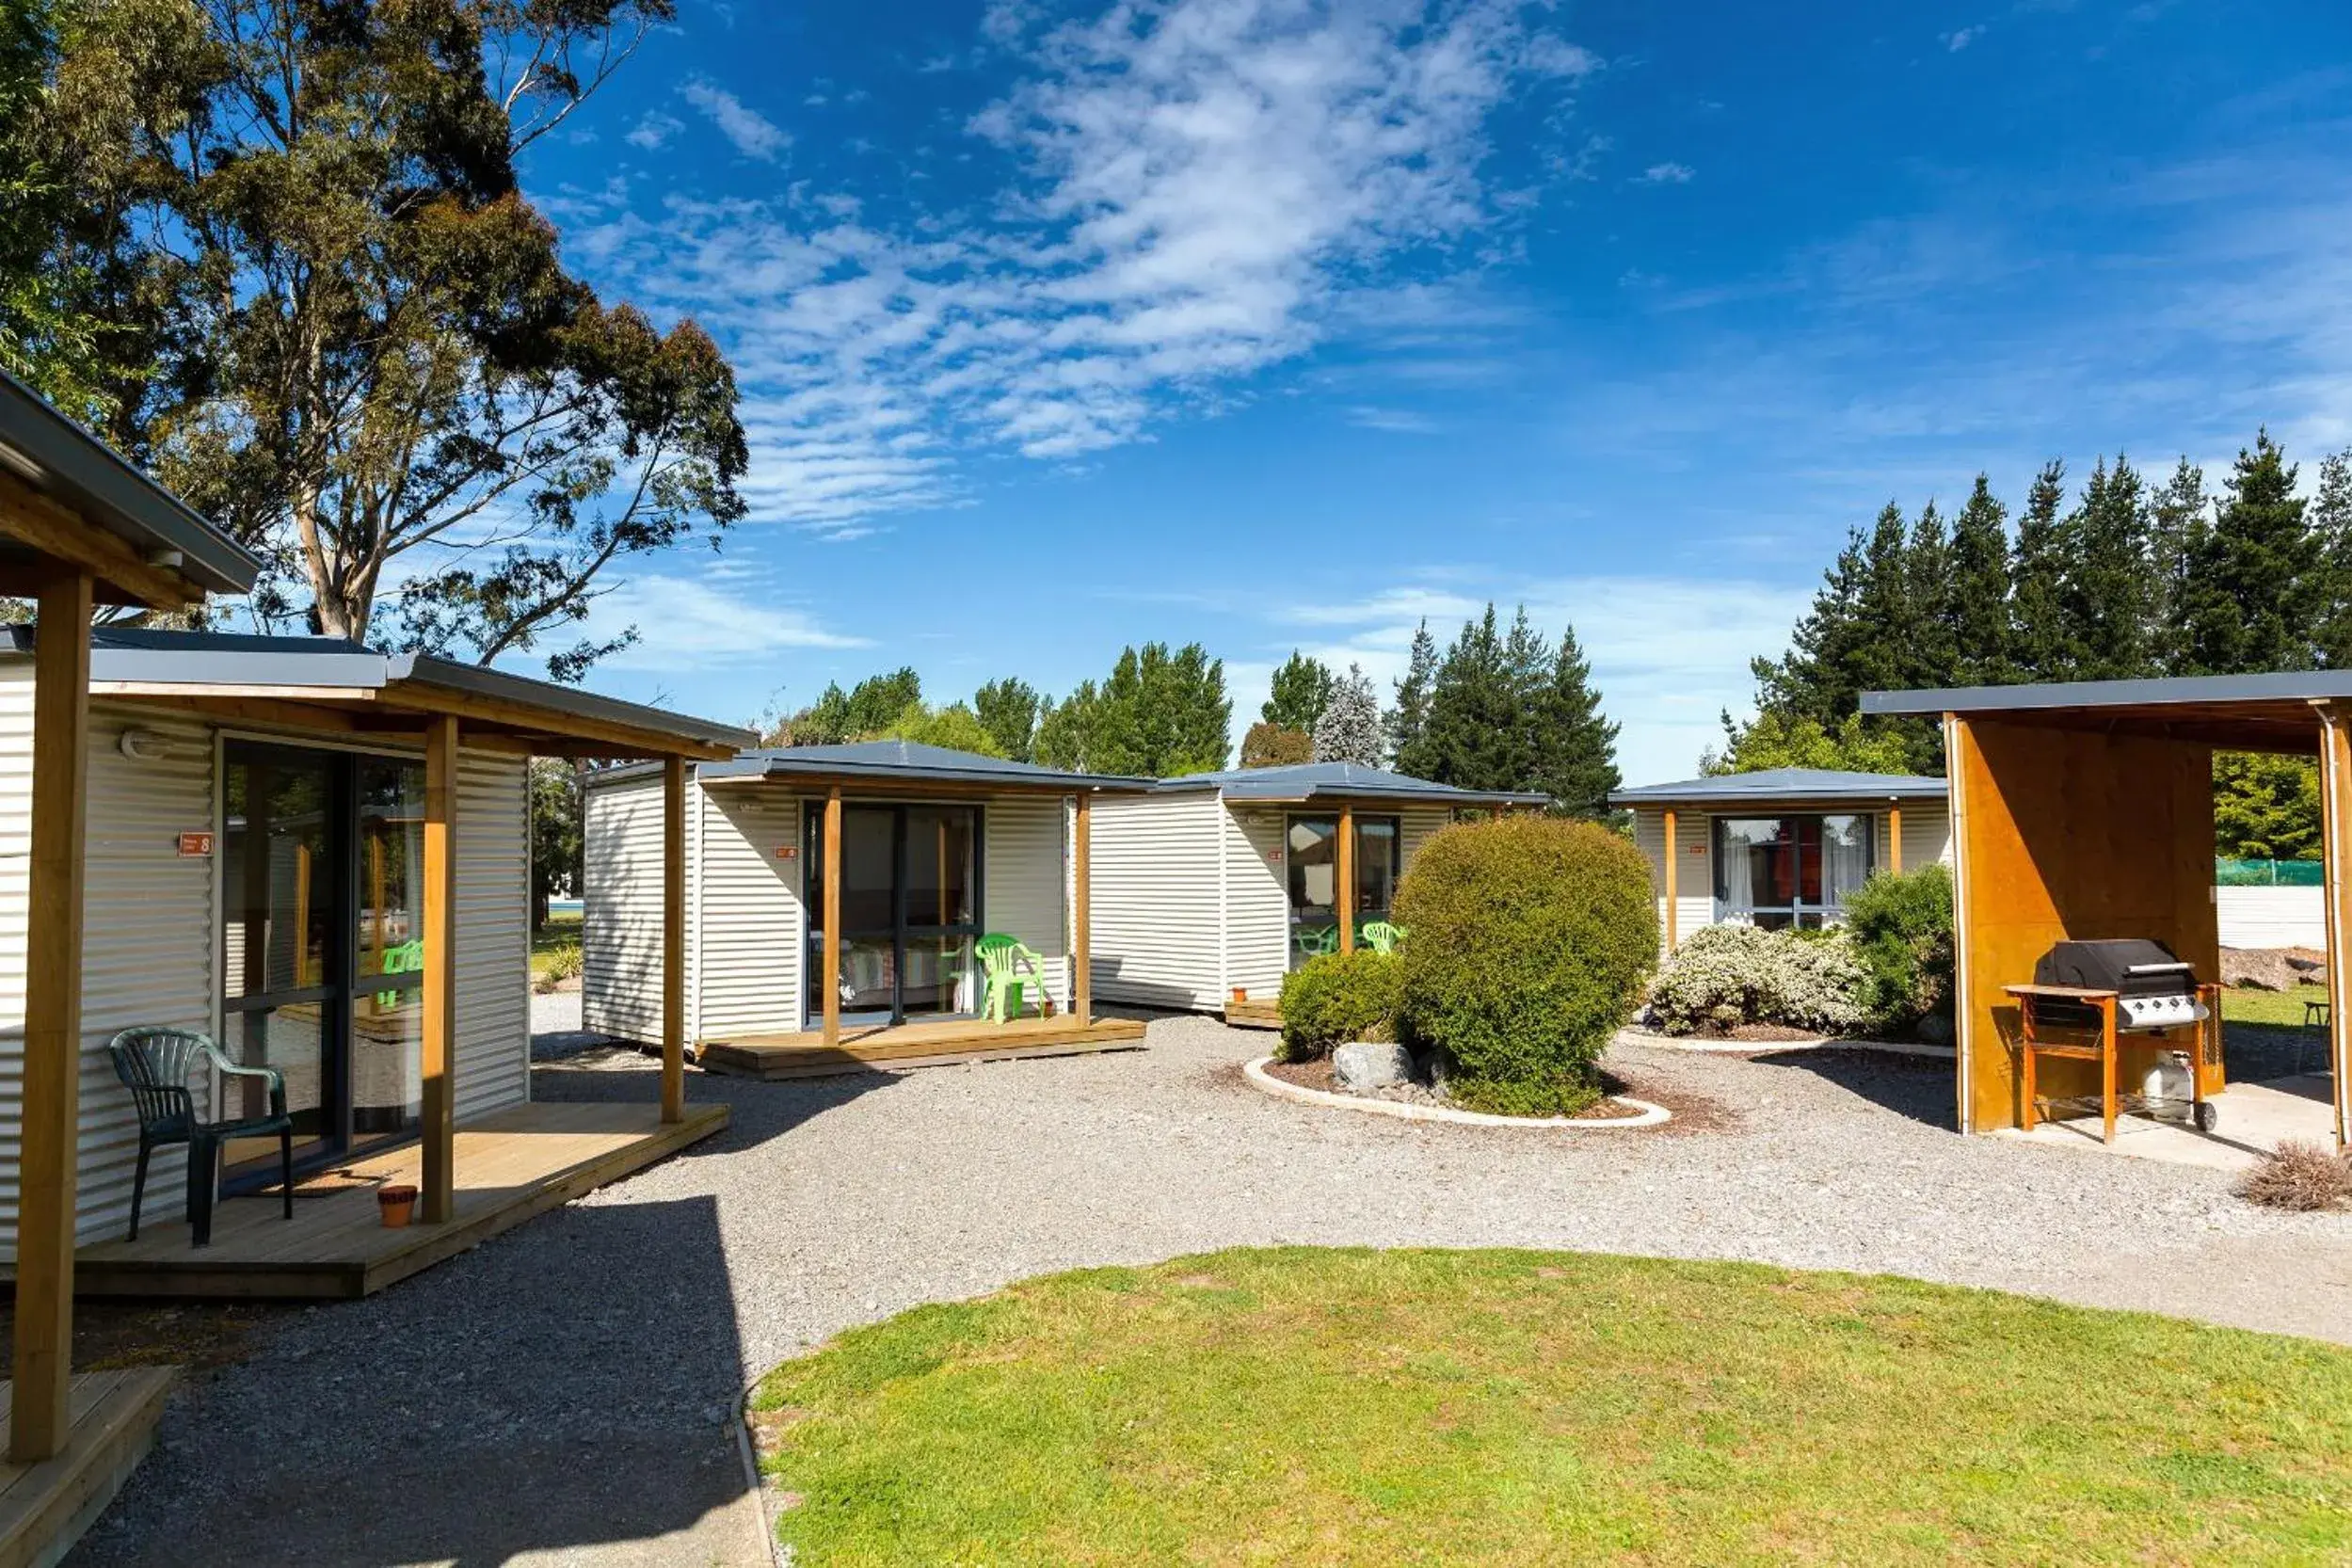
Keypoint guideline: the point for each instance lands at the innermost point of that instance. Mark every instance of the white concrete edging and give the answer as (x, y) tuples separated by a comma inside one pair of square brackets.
[(1652, 1115), (1767, 1048)]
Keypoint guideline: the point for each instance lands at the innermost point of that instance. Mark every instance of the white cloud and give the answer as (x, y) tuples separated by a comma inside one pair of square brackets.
[(1667, 174), (1203, 190), (1961, 38), (692, 625), (754, 134), (653, 131), (1400, 421)]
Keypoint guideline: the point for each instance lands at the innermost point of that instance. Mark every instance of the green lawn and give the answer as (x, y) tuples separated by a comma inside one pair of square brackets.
[(560, 935), (1309, 1405), (2247, 1005)]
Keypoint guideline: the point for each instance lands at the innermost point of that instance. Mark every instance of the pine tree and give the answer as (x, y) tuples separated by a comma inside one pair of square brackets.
[(2332, 531), (1408, 719), (2179, 518), (1008, 711), (1806, 682), (1929, 586), (1975, 602), (1577, 757), (2252, 579), (1161, 714), (1350, 730), (2105, 595), (1301, 688), (2039, 645), (1474, 736)]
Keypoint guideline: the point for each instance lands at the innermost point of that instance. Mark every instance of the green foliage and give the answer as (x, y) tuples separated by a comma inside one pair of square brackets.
[(1269, 746), (1531, 939), (954, 726), (1901, 931), (2251, 582), (863, 713), (1337, 997), (1974, 607), (1507, 711), (1008, 709), (1723, 976), (1775, 740), (1302, 688), (1160, 714), (356, 344), (1408, 716), (2265, 807), (555, 834)]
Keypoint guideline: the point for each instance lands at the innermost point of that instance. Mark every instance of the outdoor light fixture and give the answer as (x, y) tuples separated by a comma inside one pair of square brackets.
[(144, 746)]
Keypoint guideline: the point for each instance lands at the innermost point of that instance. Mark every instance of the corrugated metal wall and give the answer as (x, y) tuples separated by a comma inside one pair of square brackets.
[(748, 932), (1694, 879), (620, 924), (1155, 899), (494, 928), (1258, 900), (2272, 916), (1022, 878)]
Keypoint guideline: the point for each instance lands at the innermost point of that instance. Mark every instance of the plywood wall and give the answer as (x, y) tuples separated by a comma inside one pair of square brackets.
[(2068, 834)]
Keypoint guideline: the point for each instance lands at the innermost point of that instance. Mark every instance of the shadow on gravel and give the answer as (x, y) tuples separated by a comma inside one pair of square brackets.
[(1918, 1088), (570, 1389)]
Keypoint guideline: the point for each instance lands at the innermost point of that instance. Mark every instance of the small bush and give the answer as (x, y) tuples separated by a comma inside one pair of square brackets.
[(1531, 938), (1338, 997), (1901, 928), (1723, 976), (2300, 1174)]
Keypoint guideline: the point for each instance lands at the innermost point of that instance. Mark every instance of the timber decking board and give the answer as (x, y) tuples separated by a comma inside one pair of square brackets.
[(1253, 1014), (510, 1165), (805, 1054), (45, 1506)]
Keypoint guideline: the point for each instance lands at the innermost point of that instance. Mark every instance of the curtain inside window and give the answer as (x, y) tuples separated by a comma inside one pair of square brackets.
[(1845, 856), (1739, 855)]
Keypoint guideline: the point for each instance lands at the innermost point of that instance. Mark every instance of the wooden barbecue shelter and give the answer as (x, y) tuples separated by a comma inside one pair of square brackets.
[(2084, 812)]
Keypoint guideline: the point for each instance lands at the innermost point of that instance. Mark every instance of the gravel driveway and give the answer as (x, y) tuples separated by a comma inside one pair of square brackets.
[(563, 1394)]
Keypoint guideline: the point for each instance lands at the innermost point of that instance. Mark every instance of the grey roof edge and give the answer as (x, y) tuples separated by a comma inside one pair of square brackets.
[(86, 474), (1713, 790), (2275, 686), (141, 656)]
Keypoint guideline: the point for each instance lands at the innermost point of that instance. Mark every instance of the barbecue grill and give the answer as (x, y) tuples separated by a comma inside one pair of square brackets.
[(2153, 990), (2108, 989)]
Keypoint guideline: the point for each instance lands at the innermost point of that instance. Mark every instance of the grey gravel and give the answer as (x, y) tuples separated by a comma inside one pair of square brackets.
[(568, 1385)]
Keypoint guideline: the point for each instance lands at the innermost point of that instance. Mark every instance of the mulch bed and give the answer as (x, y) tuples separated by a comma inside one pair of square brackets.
[(1317, 1075)]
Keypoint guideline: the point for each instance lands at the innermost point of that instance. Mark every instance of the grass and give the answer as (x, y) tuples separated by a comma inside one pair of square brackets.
[(559, 936), (2247, 1005), (1309, 1405)]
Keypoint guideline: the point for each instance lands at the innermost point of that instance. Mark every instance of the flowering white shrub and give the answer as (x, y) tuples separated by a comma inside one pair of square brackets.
[(1727, 975)]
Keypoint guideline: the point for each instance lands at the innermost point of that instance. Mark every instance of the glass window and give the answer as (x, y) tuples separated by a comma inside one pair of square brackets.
[(1776, 871), (282, 898), (387, 1016), (1311, 855), (910, 910), (1377, 855)]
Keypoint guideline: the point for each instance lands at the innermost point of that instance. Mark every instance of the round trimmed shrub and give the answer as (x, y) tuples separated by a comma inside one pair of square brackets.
[(1337, 997), (1531, 939), (1903, 931), (1723, 976)]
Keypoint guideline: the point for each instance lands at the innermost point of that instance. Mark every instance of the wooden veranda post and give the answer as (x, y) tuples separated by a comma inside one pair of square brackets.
[(833, 915), (2335, 817), (441, 956), (1344, 896), (1894, 839), (1083, 914), (1672, 871), (43, 1365), (673, 939)]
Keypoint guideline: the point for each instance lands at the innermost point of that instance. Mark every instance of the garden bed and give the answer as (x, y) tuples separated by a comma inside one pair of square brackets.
[(1310, 1082), (1508, 1406)]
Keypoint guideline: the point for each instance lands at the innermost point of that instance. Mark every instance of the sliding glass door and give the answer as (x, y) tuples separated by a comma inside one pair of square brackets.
[(1790, 871), (1311, 856), (910, 912), (322, 945)]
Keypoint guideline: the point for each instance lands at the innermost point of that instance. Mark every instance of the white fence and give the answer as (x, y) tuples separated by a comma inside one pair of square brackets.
[(2270, 917)]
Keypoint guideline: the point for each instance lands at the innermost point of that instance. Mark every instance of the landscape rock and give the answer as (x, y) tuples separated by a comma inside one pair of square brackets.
[(2273, 969), (1367, 1065), (1935, 1030)]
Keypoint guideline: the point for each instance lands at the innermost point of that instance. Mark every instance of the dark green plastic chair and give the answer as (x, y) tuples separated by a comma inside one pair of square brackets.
[(156, 1065)]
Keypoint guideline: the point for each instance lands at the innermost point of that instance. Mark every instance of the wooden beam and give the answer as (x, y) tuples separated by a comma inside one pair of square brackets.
[(65, 535), (625, 740), (40, 1415), (673, 939), (833, 917), (342, 723), (441, 976), (2335, 818), (1083, 913), (1894, 839), (1344, 895), (1672, 871)]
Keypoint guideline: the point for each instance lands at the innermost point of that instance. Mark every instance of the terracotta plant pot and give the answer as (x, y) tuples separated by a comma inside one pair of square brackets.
[(397, 1204), (1241, 995)]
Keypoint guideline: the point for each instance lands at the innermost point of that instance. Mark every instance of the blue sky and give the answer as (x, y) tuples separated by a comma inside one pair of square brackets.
[(1275, 323)]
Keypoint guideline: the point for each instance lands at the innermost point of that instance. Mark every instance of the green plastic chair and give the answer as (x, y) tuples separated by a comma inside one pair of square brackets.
[(1314, 944), (1000, 960), (408, 958), (1380, 935)]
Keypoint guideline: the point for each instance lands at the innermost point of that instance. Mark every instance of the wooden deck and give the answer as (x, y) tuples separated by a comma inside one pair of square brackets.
[(1258, 1012), (881, 1047), (511, 1165), (46, 1506)]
